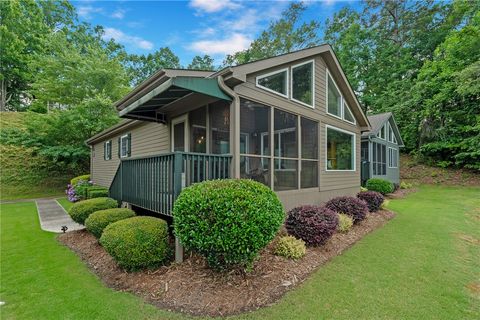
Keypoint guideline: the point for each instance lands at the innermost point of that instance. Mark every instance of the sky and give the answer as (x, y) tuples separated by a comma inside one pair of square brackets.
[(193, 27)]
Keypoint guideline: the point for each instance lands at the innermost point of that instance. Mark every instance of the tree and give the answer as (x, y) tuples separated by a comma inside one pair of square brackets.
[(76, 66), (202, 63), (282, 36), (23, 28), (140, 67)]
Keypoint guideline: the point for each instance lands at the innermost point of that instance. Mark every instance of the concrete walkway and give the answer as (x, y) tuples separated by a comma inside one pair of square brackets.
[(52, 216)]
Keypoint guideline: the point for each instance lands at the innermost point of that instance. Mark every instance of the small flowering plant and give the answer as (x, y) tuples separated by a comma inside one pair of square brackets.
[(77, 192)]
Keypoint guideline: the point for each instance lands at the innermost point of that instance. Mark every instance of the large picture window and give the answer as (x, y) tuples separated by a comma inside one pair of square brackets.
[(379, 159), (340, 149), (303, 83), (276, 82)]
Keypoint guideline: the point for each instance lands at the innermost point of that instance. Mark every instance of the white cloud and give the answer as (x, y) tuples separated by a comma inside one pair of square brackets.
[(86, 11), (213, 5), (118, 14), (235, 42), (121, 37)]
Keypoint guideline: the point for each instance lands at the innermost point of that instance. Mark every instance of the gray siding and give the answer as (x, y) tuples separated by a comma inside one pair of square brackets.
[(148, 138)]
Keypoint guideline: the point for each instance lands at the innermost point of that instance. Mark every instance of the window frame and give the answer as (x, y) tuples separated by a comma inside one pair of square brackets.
[(124, 137), (391, 152), (343, 103), (384, 133), (312, 61), (107, 150), (354, 147), (287, 87)]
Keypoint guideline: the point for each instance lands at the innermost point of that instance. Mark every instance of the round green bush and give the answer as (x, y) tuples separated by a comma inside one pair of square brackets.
[(290, 247), (227, 221), (82, 209), (99, 220), (97, 193), (138, 242), (380, 185)]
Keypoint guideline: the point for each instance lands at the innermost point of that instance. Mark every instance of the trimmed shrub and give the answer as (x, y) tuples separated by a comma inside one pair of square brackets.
[(345, 223), (82, 209), (355, 208), (96, 192), (138, 242), (372, 198), (227, 221), (290, 247), (76, 180), (313, 224), (99, 220), (380, 185)]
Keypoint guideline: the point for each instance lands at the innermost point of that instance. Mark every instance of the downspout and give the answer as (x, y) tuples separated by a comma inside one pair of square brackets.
[(235, 124)]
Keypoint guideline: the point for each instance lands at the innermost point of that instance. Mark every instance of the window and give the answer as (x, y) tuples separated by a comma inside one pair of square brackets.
[(220, 127), (334, 98), (347, 114), (336, 105), (391, 134), (125, 146), (198, 130), (309, 142), (276, 82), (255, 141), (271, 144), (285, 146), (379, 159), (381, 133), (107, 150), (392, 158), (303, 83), (340, 149)]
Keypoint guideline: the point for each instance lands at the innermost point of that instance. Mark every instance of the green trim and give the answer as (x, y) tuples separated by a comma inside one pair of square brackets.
[(194, 84)]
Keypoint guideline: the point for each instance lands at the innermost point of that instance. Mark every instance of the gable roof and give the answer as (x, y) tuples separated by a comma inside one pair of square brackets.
[(377, 121), (239, 73)]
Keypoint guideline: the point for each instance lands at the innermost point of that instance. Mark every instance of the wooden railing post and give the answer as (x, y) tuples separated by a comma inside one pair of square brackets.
[(177, 188)]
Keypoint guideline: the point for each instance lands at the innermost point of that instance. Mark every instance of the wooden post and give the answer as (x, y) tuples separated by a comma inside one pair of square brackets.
[(177, 188)]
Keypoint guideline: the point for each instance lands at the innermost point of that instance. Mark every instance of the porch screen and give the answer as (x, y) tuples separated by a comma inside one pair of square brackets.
[(379, 159)]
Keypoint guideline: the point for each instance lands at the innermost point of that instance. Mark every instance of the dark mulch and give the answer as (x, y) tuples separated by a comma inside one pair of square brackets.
[(193, 288)]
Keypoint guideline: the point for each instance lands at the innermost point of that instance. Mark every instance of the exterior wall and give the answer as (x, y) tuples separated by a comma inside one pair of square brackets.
[(393, 174), (331, 183), (148, 138)]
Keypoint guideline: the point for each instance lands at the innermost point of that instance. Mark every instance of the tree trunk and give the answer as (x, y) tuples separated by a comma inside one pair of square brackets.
[(3, 95)]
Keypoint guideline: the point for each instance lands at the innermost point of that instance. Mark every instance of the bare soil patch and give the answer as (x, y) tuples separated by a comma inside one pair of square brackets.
[(401, 193), (191, 287)]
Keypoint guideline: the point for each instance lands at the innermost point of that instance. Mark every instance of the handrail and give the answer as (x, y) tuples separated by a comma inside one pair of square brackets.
[(154, 182)]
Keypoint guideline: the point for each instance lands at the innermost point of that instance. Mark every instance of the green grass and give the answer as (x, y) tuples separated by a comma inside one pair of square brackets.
[(28, 192), (417, 267), (65, 203)]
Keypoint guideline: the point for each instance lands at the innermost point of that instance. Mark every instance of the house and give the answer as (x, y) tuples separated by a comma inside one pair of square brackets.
[(291, 122), (381, 149)]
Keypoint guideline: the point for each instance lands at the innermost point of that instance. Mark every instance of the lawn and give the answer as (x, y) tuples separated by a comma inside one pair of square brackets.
[(419, 266)]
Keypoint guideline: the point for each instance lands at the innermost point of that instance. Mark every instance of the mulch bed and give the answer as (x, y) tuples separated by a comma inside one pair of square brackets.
[(191, 287), (401, 193)]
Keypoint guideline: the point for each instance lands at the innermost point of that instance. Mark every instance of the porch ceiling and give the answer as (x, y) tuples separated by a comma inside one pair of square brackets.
[(148, 107)]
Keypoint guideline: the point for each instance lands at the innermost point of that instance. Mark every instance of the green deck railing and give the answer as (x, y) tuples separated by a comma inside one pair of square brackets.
[(154, 182)]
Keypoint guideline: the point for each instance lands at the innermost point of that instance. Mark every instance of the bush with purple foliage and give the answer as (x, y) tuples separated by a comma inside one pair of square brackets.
[(313, 224), (355, 208), (373, 199)]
